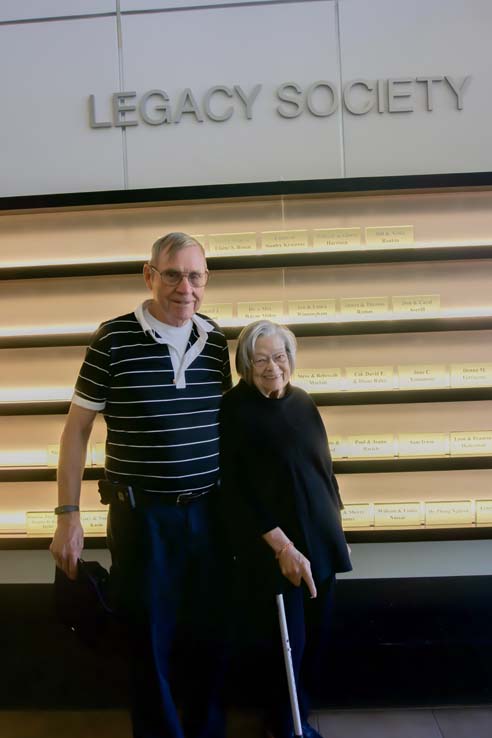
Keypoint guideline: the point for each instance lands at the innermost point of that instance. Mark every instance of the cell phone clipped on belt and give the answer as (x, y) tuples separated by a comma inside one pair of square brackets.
[(116, 492)]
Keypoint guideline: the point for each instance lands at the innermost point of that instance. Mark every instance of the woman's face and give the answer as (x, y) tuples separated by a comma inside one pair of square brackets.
[(270, 366)]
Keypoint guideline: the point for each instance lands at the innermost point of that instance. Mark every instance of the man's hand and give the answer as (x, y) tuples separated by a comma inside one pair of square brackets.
[(67, 543), (296, 567)]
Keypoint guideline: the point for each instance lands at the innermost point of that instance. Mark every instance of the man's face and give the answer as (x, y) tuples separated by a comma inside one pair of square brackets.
[(175, 304)]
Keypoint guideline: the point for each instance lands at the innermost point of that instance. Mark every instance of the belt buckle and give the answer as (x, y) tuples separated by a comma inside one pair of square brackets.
[(183, 498)]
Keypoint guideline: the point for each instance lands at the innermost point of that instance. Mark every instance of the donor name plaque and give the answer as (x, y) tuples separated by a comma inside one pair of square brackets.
[(359, 378), (258, 310), (337, 447), (343, 238), (218, 310), (477, 443), (471, 375), (231, 243), (380, 445), (351, 307), (414, 376), (416, 304), (392, 514), (40, 524), (483, 511), (313, 309), (319, 380), (423, 444), (389, 236), (357, 515), (449, 513), (284, 240)]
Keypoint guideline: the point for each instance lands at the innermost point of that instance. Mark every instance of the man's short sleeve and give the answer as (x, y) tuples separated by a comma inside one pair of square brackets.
[(91, 388)]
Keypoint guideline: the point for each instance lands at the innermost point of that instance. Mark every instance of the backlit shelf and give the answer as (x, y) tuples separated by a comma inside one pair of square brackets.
[(260, 259), (52, 337), (341, 466)]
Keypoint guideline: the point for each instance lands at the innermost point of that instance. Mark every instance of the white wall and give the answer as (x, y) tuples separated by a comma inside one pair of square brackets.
[(55, 53)]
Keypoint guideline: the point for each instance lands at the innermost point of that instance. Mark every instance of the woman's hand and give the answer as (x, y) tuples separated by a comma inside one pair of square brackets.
[(296, 567)]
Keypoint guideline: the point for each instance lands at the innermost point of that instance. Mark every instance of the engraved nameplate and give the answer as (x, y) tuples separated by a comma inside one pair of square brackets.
[(393, 514), (258, 310), (319, 380), (328, 238), (471, 375), (423, 444), (312, 308), (381, 445), (449, 513), (351, 307), (478, 443), (418, 376), (390, 236), (220, 244), (358, 378), (284, 240), (357, 516), (217, 310), (416, 304)]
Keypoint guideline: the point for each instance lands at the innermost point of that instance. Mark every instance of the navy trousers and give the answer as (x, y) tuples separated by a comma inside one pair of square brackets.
[(166, 577)]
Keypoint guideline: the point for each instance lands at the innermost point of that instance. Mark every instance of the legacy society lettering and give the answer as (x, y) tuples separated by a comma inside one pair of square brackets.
[(321, 99)]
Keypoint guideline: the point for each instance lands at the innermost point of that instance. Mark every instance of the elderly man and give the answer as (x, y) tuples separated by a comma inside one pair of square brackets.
[(157, 375)]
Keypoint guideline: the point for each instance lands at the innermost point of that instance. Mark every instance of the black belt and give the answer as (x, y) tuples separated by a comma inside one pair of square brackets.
[(118, 493), (184, 498)]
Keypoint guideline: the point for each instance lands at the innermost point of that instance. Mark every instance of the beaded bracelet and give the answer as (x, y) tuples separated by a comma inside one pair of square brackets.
[(284, 548)]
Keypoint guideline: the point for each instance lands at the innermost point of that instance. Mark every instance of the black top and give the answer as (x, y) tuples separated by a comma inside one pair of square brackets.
[(276, 470)]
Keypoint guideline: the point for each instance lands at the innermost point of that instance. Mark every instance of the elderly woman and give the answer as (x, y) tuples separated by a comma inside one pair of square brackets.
[(283, 511)]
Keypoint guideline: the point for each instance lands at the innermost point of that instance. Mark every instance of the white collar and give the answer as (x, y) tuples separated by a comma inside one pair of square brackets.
[(204, 326)]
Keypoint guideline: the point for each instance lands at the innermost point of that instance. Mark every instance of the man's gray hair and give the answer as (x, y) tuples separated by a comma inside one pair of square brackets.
[(173, 242), (247, 342)]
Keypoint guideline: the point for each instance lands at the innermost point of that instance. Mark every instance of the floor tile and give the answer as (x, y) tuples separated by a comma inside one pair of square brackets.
[(379, 724), (76, 724), (465, 722)]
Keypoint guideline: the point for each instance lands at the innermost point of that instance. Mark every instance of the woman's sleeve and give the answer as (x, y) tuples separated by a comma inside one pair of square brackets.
[(241, 483)]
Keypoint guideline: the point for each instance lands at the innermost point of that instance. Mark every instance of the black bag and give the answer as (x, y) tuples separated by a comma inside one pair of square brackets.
[(83, 604)]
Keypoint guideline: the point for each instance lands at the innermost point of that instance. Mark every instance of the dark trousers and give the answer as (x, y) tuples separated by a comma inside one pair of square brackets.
[(166, 579), (309, 623)]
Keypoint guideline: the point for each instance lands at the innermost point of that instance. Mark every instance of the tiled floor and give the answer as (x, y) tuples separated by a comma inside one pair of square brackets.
[(445, 722)]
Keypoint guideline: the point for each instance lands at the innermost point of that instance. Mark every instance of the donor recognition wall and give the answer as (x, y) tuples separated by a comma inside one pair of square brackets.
[(388, 293)]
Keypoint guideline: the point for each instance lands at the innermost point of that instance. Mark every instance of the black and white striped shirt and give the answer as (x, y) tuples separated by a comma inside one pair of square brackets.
[(160, 437)]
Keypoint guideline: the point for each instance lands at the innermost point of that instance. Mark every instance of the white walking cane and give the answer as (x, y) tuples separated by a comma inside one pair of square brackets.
[(294, 704)]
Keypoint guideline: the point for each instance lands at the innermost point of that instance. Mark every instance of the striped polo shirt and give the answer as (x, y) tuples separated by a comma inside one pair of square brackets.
[(162, 429)]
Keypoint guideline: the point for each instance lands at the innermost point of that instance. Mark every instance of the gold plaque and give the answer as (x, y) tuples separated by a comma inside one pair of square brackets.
[(284, 240), (319, 380), (358, 378), (483, 509), (351, 307), (312, 308), (357, 516), (393, 514), (328, 238), (471, 375), (220, 244), (380, 445), (98, 454), (94, 522), (40, 524), (416, 304), (260, 310), (471, 443), (418, 376), (449, 513), (423, 444), (390, 236), (217, 311), (337, 447)]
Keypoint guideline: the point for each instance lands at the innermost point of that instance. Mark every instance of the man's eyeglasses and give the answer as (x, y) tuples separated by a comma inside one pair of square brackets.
[(279, 358), (173, 277)]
